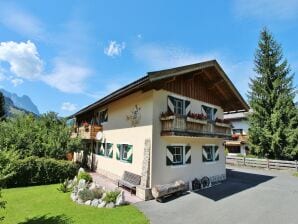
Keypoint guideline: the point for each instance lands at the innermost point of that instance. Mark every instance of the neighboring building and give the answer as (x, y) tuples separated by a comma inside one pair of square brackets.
[(165, 126), (238, 144)]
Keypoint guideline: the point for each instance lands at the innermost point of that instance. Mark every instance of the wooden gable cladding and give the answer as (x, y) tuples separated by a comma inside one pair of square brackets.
[(205, 85)]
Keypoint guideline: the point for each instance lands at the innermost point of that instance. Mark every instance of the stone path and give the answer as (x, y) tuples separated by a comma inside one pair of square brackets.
[(111, 185)]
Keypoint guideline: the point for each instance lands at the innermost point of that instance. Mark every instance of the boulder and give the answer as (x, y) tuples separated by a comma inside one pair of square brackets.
[(88, 202), (82, 184), (81, 170), (102, 204), (80, 201), (74, 196), (103, 195), (94, 202), (120, 199), (110, 205)]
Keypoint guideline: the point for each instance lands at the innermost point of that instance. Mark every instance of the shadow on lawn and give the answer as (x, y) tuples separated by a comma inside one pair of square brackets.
[(45, 219), (236, 182)]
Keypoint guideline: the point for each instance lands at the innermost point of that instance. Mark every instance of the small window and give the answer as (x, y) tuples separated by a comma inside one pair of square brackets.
[(108, 149), (178, 106), (238, 131), (124, 153), (210, 112), (102, 116), (210, 153), (178, 155)]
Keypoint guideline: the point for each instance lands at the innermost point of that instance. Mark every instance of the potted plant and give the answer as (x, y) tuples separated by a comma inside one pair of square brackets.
[(86, 126), (197, 118)]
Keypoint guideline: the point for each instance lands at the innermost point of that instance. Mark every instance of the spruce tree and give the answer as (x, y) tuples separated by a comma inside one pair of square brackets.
[(2, 109), (273, 123)]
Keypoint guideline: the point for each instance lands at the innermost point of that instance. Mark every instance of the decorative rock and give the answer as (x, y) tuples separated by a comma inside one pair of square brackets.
[(88, 202), (81, 170), (110, 205), (94, 202), (103, 195), (74, 197), (102, 204), (80, 201), (94, 185), (120, 199), (82, 184)]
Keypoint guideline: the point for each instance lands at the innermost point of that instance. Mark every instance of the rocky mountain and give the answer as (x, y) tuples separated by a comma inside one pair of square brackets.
[(22, 103)]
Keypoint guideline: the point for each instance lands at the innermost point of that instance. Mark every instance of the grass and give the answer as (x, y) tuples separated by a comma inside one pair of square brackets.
[(46, 205), (295, 174)]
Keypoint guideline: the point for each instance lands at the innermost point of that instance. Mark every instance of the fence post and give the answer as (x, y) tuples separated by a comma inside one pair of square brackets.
[(244, 161), (268, 166), (296, 165)]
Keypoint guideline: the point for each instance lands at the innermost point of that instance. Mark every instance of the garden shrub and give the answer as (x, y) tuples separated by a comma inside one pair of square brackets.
[(97, 192), (86, 176), (111, 196), (86, 195), (35, 171), (2, 206), (65, 187)]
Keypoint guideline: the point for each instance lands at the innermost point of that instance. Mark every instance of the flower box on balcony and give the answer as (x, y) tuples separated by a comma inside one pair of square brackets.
[(198, 121), (167, 118), (224, 125)]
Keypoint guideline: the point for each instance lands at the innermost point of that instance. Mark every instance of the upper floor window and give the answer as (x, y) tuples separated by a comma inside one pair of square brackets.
[(209, 112), (102, 116), (178, 106), (238, 131)]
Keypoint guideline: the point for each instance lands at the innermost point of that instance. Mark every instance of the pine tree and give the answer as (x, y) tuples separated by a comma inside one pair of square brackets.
[(273, 128), (2, 109)]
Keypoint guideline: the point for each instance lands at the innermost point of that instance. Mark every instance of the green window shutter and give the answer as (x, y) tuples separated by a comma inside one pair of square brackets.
[(129, 153), (214, 112), (187, 154), (105, 117), (101, 149), (171, 107), (118, 151), (110, 147), (204, 154), (169, 157), (187, 107), (216, 153)]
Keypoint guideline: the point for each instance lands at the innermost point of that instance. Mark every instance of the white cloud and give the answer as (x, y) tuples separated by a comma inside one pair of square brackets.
[(67, 106), (140, 36), (114, 49), (20, 21), (269, 9), (162, 57), (16, 82), (67, 77), (22, 58)]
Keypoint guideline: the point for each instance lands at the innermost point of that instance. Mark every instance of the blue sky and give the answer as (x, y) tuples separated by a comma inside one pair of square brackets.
[(68, 54)]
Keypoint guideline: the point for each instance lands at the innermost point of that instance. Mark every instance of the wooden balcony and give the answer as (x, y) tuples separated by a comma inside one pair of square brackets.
[(86, 132), (186, 126)]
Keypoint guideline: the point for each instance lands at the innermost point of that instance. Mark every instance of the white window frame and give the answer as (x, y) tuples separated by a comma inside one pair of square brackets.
[(122, 151), (180, 108), (183, 164), (181, 154), (212, 113), (213, 154), (106, 150), (99, 112)]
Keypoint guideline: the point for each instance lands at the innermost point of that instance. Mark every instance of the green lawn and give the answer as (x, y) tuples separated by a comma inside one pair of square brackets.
[(46, 205), (295, 174)]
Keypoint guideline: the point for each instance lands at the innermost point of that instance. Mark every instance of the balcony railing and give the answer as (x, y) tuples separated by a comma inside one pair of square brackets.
[(187, 126), (86, 132)]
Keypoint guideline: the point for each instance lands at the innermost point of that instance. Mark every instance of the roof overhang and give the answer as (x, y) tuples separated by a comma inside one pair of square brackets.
[(148, 81)]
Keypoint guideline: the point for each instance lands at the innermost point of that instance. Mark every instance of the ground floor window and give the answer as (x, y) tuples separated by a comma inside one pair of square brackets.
[(210, 153), (124, 153), (178, 155), (105, 149)]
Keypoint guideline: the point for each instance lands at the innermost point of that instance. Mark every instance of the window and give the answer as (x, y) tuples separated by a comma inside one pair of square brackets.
[(238, 131), (210, 112), (178, 155), (102, 116), (210, 153), (178, 106), (108, 152), (124, 152)]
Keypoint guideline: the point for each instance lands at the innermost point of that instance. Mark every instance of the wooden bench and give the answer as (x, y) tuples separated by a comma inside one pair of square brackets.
[(129, 180)]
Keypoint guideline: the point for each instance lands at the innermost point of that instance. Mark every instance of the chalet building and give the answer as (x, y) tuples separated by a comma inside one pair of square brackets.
[(165, 126), (239, 142)]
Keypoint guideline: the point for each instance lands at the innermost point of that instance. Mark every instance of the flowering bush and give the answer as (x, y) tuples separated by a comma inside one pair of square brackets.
[(197, 116), (235, 136)]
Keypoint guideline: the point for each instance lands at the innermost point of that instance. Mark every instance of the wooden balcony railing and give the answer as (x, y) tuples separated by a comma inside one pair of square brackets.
[(86, 132), (186, 126)]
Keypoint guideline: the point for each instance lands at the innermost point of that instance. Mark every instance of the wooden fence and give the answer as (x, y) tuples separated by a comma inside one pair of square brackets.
[(262, 163)]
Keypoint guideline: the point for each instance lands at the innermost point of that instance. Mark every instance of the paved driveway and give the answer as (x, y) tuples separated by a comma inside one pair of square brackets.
[(248, 196)]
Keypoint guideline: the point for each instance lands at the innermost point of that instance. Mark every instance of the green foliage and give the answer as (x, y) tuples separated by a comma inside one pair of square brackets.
[(85, 176), (2, 205), (295, 174), (86, 195), (111, 196), (65, 186), (273, 131), (34, 170), (97, 192), (2, 109), (45, 136)]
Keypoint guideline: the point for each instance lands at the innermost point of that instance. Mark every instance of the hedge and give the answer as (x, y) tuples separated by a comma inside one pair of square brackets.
[(38, 171)]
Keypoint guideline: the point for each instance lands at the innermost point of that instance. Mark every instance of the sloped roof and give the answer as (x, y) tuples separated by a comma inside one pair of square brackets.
[(149, 82)]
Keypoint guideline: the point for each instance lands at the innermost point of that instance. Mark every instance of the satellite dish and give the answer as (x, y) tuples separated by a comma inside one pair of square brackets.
[(99, 136)]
